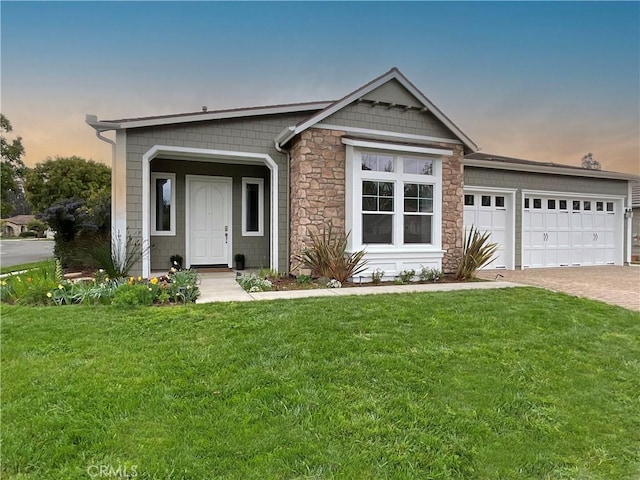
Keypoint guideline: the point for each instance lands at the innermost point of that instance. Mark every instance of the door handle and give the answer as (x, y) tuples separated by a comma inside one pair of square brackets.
[(226, 237)]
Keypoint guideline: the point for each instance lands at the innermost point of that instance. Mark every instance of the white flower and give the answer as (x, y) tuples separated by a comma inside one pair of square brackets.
[(333, 283)]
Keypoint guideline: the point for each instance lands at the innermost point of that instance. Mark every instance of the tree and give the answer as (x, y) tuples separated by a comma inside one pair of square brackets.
[(11, 167), (61, 179), (37, 226), (590, 163)]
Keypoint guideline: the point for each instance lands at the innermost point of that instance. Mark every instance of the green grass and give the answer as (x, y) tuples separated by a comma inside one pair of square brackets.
[(23, 266), (503, 384)]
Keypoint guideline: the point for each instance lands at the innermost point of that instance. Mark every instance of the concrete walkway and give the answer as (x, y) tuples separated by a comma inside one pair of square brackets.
[(616, 285), (222, 287)]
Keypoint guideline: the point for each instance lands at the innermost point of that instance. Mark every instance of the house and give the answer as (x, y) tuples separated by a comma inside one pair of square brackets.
[(383, 163), (14, 226)]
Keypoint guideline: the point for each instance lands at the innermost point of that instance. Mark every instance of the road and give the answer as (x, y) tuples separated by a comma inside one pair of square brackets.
[(14, 252)]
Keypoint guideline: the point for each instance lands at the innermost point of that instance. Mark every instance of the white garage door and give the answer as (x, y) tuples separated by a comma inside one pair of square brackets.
[(490, 212), (570, 231)]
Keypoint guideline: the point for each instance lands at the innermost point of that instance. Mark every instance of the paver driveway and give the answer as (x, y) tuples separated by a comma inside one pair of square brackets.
[(610, 284)]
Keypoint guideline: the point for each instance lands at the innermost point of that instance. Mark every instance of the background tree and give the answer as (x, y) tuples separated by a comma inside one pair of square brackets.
[(61, 179), (590, 163), (37, 226), (11, 167)]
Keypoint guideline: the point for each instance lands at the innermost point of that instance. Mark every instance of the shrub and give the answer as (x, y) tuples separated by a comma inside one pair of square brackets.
[(430, 274), (333, 283), (182, 286), (303, 279), (327, 256), (406, 276), (116, 259), (254, 283), (477, 253), (133, 295), (27, 234), (377, 275)]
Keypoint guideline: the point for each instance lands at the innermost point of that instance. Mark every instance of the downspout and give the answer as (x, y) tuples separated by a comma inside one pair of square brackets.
[(286, 153), (113, 165)]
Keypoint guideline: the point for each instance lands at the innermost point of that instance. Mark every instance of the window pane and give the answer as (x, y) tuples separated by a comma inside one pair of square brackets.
[(576, 205), (370, 188), (537, 203), (410, 190), (252, 207), (563, 204), (377, 163), (417, 166), (426, 191), (587, 205), (609, 206), (163, 204), (486, 200), (551, 204), (369, 204), (426, 205), (599, 206), (526, 203), (410, 204), (469, 200), (417, 229), (377, 228), (386, 204), (386, 189), (499, 201)]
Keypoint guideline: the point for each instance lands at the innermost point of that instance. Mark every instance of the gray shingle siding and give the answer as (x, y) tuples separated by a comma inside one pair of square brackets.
[(485, 177), (414, 122)]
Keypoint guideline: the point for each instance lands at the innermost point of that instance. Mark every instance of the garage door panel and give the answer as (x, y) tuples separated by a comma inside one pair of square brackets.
[(586, 234)]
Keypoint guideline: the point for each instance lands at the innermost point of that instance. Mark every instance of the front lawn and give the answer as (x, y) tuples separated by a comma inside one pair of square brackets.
[(499, 384)]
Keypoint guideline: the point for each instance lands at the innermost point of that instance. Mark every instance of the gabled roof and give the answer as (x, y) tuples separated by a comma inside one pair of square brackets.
[(487, 160), (393, 74), (19, 219), (103, 125)]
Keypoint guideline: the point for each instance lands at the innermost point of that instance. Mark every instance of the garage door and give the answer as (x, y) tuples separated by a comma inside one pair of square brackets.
[(490, 212), (569, 231)]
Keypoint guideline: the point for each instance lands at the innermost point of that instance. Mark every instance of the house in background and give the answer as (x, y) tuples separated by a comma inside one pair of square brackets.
[(383, 163), (14, 226)]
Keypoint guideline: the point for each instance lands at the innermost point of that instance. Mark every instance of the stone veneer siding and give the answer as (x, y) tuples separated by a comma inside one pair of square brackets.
[(452, 207), (317, 186)]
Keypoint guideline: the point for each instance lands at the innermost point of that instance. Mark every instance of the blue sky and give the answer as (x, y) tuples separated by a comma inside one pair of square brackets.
[(546, 81)]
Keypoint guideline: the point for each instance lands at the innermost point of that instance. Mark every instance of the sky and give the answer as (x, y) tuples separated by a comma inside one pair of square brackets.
[(546, 81)]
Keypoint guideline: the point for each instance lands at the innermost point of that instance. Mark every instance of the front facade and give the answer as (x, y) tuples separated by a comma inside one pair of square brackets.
[(383, 164)]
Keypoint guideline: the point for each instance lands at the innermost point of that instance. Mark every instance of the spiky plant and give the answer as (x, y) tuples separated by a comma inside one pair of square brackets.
[(477, 252), (328, 257)]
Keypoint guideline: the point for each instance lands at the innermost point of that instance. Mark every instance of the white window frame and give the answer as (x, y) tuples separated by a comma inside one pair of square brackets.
[(253, 181), (399, 179), (172, 216)]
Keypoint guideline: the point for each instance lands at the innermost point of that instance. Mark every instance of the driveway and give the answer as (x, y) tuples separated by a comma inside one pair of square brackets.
[(610, 284), (14, 252)]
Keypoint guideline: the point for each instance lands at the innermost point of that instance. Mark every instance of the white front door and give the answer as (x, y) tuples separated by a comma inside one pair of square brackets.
[(491, 212), (208, 223)]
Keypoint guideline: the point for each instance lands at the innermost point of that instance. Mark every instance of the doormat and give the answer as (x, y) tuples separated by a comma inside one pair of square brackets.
[(212, 269)]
